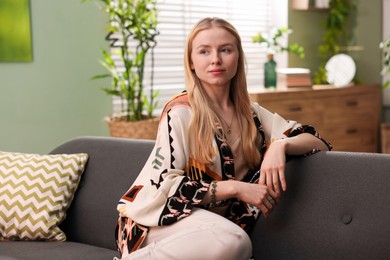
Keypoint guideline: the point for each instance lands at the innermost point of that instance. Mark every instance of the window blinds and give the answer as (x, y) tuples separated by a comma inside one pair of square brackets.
[(177, 17)]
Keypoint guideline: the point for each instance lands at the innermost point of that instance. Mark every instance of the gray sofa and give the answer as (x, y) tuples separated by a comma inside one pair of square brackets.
[(336, 206)]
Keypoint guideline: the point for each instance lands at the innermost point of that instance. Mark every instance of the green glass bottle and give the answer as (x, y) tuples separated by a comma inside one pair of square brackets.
[(270, 72)]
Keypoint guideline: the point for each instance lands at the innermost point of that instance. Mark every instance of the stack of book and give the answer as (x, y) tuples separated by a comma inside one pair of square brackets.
[(294, 77)]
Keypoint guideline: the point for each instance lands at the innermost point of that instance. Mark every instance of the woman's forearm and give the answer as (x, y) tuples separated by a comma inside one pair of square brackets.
[(303, 143)]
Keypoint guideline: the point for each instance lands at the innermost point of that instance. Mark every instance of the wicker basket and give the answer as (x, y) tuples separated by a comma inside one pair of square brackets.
[(385, 136), (145, 129)]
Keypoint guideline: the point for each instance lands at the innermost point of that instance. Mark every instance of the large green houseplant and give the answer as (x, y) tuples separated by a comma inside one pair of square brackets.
[(132, 32), (385, 46), (336, 35), (385, 127)]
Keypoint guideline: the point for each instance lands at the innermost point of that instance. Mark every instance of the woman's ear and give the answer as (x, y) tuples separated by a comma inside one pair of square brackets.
[(192, 65)]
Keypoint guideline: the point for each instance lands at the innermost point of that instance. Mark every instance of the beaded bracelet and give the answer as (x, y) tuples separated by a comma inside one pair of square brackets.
[(213, 191)]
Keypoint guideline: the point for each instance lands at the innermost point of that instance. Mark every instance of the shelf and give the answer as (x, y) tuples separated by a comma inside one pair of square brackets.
[(306, 5), (312, 8)]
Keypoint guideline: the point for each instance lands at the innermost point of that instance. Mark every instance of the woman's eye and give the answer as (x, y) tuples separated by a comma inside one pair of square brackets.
[(226, 50), (204, 52)]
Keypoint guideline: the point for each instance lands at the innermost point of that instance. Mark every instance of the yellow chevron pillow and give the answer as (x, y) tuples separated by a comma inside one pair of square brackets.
[(35, 192)]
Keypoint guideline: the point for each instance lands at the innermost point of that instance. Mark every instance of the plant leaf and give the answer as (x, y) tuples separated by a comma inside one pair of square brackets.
[(386, 84), (101, 76)]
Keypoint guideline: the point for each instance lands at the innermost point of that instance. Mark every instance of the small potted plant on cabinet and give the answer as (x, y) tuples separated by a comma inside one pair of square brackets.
[(272, 43), (132, 31)]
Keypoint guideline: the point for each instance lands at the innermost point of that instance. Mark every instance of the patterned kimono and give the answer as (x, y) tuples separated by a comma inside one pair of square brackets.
[(172, 183)]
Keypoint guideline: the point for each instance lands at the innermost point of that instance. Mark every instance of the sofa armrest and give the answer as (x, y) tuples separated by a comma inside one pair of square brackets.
[(336, 207), (113, 165)]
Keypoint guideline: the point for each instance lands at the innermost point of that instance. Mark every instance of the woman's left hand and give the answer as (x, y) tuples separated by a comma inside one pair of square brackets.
[(273, 167)]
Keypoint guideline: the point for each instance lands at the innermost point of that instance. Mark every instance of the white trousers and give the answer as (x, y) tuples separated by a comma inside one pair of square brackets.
[(202, 235)]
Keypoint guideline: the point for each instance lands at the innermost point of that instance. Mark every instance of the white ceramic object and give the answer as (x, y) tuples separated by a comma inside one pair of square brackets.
[(340, 70), (321, 3)]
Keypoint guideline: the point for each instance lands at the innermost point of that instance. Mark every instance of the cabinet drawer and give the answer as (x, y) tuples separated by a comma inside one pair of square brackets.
[(367, 148), (305, 112), (351, 135), (349, 106), (347, 117)]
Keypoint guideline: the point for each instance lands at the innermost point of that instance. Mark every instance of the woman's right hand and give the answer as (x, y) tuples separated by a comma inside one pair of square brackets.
[(255, 194), (258, 195)]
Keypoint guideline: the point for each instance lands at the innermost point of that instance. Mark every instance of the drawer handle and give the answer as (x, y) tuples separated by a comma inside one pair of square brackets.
[(295, 108), (351, 131), (352, 103)]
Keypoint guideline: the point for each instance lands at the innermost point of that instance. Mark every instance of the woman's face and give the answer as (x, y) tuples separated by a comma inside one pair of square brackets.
[(214, 57)]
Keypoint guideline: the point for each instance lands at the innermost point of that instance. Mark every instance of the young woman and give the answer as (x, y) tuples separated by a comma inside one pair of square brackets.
[(217, 164)]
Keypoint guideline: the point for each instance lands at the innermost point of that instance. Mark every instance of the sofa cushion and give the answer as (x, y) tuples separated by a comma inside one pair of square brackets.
[(113, 165), (24, 250), (35, 192)]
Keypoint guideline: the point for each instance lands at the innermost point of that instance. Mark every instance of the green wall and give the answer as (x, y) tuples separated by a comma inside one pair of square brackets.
[(308, 27), (52, 99)]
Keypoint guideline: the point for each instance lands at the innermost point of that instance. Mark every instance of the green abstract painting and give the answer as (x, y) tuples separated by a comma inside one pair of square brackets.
[(15, 30)]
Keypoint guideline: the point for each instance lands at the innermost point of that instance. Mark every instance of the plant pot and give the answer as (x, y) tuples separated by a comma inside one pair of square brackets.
[(144, 129)]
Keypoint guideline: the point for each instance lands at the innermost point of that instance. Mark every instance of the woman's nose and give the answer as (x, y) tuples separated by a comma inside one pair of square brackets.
[(215, 58)]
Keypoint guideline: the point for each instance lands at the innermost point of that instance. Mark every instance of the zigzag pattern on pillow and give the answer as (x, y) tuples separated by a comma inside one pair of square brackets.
[(35, 192)]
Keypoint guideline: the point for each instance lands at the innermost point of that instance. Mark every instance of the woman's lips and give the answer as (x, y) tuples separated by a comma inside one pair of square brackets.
[(217, 71)]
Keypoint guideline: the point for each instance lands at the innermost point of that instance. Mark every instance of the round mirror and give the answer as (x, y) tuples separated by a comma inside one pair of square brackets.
[(340, 70)]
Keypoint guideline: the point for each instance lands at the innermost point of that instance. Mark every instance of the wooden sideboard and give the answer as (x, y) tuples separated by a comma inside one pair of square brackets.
[(348, 117)]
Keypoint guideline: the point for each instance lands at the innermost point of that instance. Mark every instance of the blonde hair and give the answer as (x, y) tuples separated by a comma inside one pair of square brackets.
[(202, 125)]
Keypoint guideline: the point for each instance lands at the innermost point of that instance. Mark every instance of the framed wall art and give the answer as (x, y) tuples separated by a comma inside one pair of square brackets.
[(15, 31)]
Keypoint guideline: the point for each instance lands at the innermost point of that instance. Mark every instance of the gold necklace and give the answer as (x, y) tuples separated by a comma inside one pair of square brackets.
[(229, 126)]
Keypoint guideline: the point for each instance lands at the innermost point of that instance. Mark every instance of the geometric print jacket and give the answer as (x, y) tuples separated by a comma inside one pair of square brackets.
[(171, 183)]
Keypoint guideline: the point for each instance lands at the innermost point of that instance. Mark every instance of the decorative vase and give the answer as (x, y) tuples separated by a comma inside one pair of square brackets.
[(144, 129), (270, 72)]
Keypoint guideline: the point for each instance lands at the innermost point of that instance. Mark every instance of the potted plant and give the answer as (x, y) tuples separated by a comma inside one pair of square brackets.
[(385, 46), (272, 43), (385, 127), (335, 35), (132, 34)]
